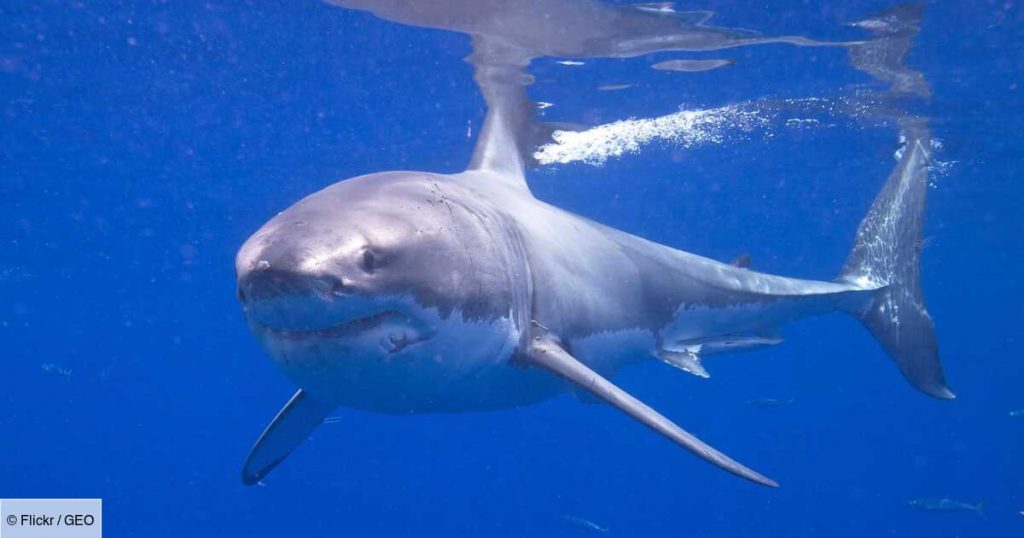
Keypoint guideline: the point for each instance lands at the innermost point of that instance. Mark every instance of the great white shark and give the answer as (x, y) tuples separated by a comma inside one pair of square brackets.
[(419, 292)]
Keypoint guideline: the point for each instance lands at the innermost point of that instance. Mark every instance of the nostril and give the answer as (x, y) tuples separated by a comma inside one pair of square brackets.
[(241, 295)]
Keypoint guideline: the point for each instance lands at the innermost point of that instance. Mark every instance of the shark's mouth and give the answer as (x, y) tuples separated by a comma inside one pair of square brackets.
[(397, 331), (347, 329)]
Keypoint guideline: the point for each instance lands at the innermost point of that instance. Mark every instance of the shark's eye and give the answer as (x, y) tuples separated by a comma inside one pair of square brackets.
[(369, 261)]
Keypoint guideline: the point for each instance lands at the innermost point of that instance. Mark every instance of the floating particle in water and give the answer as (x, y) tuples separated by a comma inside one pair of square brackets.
[(770, 402), (802, 122), (901, 148)]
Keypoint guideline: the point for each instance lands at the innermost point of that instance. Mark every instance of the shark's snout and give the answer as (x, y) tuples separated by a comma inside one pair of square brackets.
[(288, 299), (281, 295), (267, 283), (291, 278)]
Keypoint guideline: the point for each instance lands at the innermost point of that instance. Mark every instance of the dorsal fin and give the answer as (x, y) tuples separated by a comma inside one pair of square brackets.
[(510, 129)]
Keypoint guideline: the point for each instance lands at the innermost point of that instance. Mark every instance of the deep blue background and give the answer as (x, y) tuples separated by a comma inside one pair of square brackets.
[(141, 142)]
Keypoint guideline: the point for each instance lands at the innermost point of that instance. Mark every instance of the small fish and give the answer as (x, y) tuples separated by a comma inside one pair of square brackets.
[(691, 66), (584, 524), (541, 105), (51, 368), (614, 87), (1017, 413), (332, 420), (571, 63), (944, 505), (770, 402)]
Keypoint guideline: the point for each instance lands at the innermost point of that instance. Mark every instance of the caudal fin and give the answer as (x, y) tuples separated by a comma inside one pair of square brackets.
[(886, 256)]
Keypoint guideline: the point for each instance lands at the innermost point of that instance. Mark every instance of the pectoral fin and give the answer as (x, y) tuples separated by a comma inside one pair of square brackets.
[(299, 417), (549, 354)]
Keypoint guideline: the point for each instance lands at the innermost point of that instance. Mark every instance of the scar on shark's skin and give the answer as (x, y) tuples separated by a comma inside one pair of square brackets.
[(418, 292)]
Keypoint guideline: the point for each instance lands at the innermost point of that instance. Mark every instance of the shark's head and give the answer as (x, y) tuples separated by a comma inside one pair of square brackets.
[(384, 291)]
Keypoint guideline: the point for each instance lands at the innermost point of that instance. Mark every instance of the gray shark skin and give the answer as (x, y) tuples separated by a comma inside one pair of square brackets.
[(417, 292)]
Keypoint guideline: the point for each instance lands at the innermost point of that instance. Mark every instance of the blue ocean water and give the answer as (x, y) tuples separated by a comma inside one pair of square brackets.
[(142, 142)]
